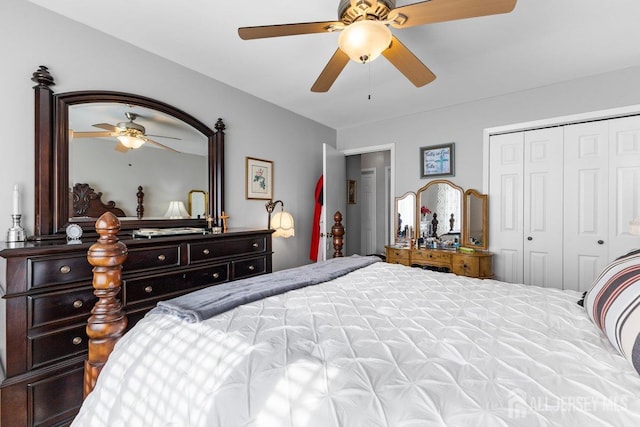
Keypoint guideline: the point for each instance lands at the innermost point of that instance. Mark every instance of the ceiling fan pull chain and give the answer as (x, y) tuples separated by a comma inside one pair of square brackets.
[(369, 81)]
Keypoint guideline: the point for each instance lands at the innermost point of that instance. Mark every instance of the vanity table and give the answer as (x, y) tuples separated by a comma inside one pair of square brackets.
[(467, 214), (474, 264)]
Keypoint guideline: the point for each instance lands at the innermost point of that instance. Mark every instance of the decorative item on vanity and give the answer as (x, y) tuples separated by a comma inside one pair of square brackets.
[(16, 232), (224, 218), (281, 222), (73, 232), (176, 210)]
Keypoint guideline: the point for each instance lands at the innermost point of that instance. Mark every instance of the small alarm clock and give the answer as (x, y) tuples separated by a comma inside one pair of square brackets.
[(74, 232)]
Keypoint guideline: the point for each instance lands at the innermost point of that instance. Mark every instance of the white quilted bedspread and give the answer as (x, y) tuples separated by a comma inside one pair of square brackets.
[(386, 345)]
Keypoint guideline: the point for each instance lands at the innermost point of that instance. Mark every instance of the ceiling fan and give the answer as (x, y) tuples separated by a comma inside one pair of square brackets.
[(365, 34), (130, 135)]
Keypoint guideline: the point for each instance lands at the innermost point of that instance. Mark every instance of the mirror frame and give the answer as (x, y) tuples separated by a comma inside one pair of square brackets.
[(395, 215), (424, 188), (52, 155), (466, 230)]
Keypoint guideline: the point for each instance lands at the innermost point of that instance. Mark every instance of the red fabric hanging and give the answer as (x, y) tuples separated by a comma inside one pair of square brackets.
[(317, 213)]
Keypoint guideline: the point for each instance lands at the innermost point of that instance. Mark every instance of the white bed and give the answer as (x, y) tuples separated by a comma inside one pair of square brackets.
[(385, 345)]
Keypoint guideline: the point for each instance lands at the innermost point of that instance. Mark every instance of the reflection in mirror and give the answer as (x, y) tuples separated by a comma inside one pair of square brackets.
[(439, 209), (405, 217), (171, 160), (475, 233), (198, 204)]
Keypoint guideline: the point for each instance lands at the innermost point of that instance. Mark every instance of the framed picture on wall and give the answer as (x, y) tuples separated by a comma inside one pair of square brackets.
[(352, 191), (437, 160), (259, 179)]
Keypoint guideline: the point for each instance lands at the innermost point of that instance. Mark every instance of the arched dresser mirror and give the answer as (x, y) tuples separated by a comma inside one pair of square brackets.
[(404, 217), (475, 232), (64, 123), (439, 209)]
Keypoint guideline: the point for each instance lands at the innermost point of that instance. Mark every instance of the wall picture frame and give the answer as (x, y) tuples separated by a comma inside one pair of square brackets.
[(259, 179), (437, 160), (352, 192)]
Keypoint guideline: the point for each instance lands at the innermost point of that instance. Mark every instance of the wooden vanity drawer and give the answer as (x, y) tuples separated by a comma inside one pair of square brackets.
[(168, 286), (57, 345), (466, 266), (398, 256), (431, 257), (60, 306), (201, 252), (52, 271), (249, 267), (155, 257)]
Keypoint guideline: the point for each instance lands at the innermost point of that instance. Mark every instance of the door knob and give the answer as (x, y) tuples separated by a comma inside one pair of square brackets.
[(529, 238), (601, 242)]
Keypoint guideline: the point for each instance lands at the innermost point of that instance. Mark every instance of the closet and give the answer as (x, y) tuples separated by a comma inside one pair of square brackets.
[(561, 199)]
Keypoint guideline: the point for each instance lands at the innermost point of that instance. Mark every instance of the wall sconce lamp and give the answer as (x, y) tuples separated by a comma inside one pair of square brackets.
[(177, 210), (281, 222)]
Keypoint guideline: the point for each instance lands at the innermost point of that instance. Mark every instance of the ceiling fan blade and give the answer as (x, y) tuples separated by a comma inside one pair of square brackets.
[(262, 32), (91, 134), (408, 64), (331, 71), (160, 145), (121, 148), (163, 136), (428, 12), (107, 126)]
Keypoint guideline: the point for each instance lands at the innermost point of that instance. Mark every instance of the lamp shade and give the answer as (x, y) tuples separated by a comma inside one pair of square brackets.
[(364, 41), (282, 222), (176, 210), (132, 142)]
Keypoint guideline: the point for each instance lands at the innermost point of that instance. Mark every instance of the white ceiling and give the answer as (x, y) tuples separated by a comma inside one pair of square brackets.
[(540, 43)]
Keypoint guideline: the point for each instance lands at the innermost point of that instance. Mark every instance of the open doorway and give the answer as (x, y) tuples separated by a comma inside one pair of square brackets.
[(368, 213)]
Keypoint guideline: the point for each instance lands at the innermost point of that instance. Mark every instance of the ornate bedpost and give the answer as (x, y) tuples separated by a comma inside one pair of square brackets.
[(107, 321), (338, 235)]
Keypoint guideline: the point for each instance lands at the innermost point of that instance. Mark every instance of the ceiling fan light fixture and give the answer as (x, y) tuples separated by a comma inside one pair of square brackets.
[(131, 142), (364, 41)]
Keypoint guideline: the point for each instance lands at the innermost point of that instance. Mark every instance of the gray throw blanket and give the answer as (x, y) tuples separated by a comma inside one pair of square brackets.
[(205, 303)]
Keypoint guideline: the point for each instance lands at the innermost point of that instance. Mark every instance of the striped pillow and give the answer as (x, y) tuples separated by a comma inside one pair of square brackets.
[(613, 304)]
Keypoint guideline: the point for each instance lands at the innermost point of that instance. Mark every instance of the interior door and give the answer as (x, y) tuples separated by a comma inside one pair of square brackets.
[(334, 170), (368, 216)]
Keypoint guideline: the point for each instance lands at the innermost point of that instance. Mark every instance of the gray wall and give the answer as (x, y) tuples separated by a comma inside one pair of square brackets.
[(464, 123), (81, 58)]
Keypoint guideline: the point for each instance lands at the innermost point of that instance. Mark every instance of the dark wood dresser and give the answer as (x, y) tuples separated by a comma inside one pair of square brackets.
[(47, 297)]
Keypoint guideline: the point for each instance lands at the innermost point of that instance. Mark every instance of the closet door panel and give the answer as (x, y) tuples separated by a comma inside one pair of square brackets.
[(543, 207), (586, 183), (505, 210), (624, 174)]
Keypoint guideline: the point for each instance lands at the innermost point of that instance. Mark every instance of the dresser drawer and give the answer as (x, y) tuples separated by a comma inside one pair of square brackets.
[(161, 287), (201, 252), (60, 306), (249, 267), (431, 257), (52, 271), (57, 345), (155, 257), (466, 266)]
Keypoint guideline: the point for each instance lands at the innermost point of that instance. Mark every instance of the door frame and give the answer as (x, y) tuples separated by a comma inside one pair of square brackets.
[(392, 161)]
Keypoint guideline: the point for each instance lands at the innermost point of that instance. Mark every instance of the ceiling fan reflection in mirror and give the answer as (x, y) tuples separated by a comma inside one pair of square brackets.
[(130, 135), (365, 34)]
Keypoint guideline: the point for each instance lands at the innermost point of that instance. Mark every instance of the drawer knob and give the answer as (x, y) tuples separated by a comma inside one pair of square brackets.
[(148, 289), (251, 268), (65, 269), (77, 303), (255, 244), (216, 275), (205, 251), (77, 341), (161, 257)]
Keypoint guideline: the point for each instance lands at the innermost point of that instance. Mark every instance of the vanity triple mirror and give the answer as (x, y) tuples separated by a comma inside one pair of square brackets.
[(81, 137), (442, 210)]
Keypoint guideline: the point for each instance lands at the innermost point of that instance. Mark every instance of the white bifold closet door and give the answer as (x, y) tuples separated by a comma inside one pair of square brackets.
[(525, 209)]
